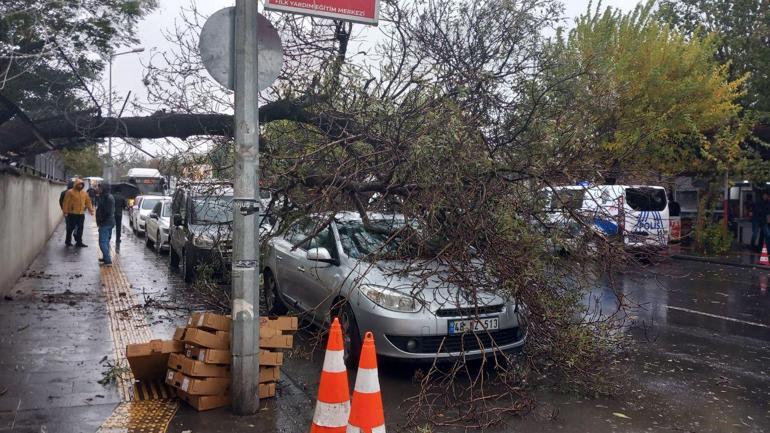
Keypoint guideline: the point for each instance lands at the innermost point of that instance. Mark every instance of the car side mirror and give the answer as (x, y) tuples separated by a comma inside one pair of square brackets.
[(178, 221), (319, 255)]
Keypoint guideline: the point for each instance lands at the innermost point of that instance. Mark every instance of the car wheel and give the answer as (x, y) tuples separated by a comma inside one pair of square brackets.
[(273, 302), (173, 258), (351, 338), (188, 267), (147, 241)]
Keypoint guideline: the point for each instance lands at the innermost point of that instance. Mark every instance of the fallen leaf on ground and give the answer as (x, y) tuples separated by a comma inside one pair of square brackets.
[(621, 415)]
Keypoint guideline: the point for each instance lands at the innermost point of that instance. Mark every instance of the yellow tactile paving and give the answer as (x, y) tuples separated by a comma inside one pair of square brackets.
[(146, 408), (150, 416)]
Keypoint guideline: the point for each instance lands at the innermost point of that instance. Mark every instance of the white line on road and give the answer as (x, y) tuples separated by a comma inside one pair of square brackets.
[(730, 319)]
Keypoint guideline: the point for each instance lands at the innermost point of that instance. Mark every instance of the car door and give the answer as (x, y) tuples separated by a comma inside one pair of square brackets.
[(176, 233), (318, 283), (289, 260), (153, 221)]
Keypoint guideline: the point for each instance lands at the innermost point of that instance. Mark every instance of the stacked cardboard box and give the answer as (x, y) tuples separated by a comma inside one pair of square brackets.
[(201, 375)]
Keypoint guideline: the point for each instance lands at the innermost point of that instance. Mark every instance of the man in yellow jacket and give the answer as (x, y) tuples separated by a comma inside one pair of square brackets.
[(75, 202)]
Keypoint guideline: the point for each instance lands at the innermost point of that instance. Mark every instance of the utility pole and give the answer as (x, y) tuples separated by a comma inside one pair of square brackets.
[(245, 282)]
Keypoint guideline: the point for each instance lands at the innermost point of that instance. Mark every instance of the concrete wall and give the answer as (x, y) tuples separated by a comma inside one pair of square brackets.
[(29, 213)]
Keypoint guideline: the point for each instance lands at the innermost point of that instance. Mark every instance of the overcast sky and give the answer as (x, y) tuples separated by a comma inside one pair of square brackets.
[(128, 70)]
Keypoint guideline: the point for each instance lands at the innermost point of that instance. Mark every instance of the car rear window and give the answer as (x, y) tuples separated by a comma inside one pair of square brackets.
[(646, 199), (149, 203)]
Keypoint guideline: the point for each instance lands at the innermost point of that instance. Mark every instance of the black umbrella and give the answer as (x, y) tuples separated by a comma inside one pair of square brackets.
[(124, 189)]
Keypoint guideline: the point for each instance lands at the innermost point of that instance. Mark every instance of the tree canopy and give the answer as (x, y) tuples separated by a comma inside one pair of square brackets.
[(658, 99)]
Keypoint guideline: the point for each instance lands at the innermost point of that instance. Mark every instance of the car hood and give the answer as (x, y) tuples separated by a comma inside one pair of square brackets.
[(428, 280)]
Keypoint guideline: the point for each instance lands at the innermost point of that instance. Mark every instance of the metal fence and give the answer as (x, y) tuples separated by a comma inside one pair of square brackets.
[(47, 165)]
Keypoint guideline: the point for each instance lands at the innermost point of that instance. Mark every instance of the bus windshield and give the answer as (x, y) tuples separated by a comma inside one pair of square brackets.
[(148, 186)]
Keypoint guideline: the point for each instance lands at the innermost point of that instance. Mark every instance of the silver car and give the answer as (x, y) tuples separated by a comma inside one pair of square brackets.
[(157, 225), (141, 214), (332, 274)]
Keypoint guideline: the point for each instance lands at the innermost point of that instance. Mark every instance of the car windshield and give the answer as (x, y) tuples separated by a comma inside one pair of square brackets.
[(167, 210), (383, 239), (646, 199), (213, 210), (149, 203)]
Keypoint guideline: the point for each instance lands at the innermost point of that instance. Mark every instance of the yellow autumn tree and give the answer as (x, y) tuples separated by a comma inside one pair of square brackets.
[(658, 100)]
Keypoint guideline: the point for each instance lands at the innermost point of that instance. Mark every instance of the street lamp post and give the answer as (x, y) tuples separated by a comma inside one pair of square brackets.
[(108, 171)]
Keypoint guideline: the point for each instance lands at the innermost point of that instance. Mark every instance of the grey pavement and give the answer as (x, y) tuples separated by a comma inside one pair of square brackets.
[(55, 335), (702, 362)]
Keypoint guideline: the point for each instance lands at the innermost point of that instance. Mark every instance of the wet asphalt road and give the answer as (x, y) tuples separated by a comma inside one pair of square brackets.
[(702, 363)]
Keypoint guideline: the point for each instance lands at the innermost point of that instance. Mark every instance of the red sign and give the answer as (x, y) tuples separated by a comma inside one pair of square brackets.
[(360, 11), (675, 229)]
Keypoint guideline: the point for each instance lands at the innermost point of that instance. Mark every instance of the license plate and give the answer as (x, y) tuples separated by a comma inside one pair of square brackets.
[(475, 325)]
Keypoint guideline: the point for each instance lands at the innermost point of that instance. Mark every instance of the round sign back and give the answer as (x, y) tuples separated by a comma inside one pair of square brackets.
[(217, 48)]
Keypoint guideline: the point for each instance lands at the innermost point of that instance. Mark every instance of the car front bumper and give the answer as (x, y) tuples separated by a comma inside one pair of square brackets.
[(424, 335)]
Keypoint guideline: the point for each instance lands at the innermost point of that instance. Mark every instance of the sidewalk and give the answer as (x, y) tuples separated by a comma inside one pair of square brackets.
[(742, 258), (54, 338)]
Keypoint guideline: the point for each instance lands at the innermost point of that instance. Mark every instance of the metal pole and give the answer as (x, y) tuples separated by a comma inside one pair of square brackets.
[(245, 307), (726, 205), (108, 172)]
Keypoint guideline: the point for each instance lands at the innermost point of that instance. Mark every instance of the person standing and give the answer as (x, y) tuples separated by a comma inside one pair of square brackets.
[(120, 204), (70, 184), (74, 204), (105, 220), (756, 221)]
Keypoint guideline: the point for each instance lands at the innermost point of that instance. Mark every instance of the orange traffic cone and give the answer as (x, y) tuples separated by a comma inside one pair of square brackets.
[(366, 415), (763, 260), (333, 406)]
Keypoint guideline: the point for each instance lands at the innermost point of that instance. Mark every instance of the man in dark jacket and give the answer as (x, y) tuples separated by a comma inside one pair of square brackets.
[(120, 204), (105, 220)]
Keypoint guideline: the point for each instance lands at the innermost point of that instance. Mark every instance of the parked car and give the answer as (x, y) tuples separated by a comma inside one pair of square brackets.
[(201, 227), (133, 210), (333, 273), (142, 212), (157, 225)]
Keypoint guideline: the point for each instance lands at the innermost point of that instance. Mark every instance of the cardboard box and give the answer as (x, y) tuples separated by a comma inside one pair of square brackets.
[(210, 322), (198, 385), (179, 334), (204, 402), (191, 367), (269, 374), (282, 323), (201, 338), (270, 358), (276, 342), (266, 390), (209, 356), (148, 360)]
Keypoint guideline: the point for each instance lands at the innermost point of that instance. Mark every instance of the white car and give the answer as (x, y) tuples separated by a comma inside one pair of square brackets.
[(142, 213), (157, 225)]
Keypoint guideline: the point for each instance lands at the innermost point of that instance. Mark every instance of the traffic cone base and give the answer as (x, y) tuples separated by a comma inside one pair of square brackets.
[(366, 414), (332, 409), (763, 260)]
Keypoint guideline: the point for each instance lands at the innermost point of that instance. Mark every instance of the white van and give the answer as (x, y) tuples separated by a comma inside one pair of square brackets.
[(637, 214)]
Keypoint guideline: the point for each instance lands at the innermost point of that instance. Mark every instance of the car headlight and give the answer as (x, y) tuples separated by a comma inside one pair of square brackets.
[(203, 241), (142, 217), (390, 299)]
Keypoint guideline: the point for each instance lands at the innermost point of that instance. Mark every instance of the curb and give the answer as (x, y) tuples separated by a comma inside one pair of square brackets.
[(718, 262)]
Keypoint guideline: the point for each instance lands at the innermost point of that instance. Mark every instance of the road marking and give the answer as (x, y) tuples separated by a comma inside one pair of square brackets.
[(142, 408), (716, 316)]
